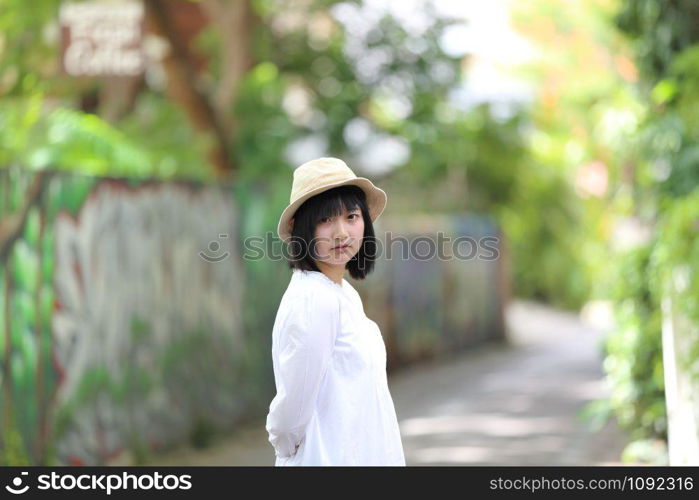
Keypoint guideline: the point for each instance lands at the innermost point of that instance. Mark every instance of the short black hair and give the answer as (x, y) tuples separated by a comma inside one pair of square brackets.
[(328, 204)]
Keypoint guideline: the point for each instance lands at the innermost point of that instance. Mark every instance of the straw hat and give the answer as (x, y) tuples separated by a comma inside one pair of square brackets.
[(321, 174)]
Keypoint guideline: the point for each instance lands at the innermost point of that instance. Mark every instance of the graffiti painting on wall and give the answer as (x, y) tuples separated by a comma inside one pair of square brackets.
[(138, 339)]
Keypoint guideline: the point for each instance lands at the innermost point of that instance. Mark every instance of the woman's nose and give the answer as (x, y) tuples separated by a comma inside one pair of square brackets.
[(341, 230)]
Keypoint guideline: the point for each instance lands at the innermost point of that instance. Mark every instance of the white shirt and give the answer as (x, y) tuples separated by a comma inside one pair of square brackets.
[(332, 406)]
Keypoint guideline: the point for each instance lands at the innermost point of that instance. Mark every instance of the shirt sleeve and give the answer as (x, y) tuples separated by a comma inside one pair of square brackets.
[(305, 351)]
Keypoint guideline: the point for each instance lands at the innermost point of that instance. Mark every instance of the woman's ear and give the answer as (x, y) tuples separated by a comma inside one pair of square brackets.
[(291, 224)]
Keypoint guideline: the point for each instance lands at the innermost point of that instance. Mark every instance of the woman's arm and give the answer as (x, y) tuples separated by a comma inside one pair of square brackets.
[(306, 346)]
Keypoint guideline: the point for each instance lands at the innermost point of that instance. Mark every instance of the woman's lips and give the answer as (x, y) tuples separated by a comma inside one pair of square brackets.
[(340, 247)]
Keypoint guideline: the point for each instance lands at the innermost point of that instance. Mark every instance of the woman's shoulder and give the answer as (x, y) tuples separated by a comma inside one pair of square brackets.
[(306, 295), (353, 295), (352, 291)]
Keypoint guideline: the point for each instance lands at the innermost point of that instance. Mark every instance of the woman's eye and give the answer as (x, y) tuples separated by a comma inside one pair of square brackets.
[(326, 219)]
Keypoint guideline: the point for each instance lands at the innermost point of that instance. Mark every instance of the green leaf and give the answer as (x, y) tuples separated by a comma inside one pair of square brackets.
[(664, 91)]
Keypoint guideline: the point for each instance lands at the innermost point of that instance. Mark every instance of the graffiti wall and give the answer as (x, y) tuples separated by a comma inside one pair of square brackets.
[(441, 287), (131, 320), (125, 332)]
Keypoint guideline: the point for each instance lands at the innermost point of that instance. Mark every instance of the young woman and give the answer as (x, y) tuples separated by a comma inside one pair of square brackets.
[(332, 406)]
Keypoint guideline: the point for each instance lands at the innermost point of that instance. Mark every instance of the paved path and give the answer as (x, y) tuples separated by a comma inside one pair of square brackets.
[(509, 405)]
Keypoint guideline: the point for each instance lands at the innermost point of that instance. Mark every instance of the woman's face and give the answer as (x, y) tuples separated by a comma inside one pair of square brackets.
[(339, 238)]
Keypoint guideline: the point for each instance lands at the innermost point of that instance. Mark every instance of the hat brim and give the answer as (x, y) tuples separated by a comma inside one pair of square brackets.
[(376, 201)]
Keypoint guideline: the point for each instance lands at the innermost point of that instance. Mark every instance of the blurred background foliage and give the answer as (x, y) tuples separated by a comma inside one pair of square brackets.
[(593, 179), (661, 195), (315, 83)]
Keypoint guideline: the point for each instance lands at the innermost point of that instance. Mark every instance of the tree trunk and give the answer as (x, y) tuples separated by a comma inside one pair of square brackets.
[(236, 22), (182, 85)]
